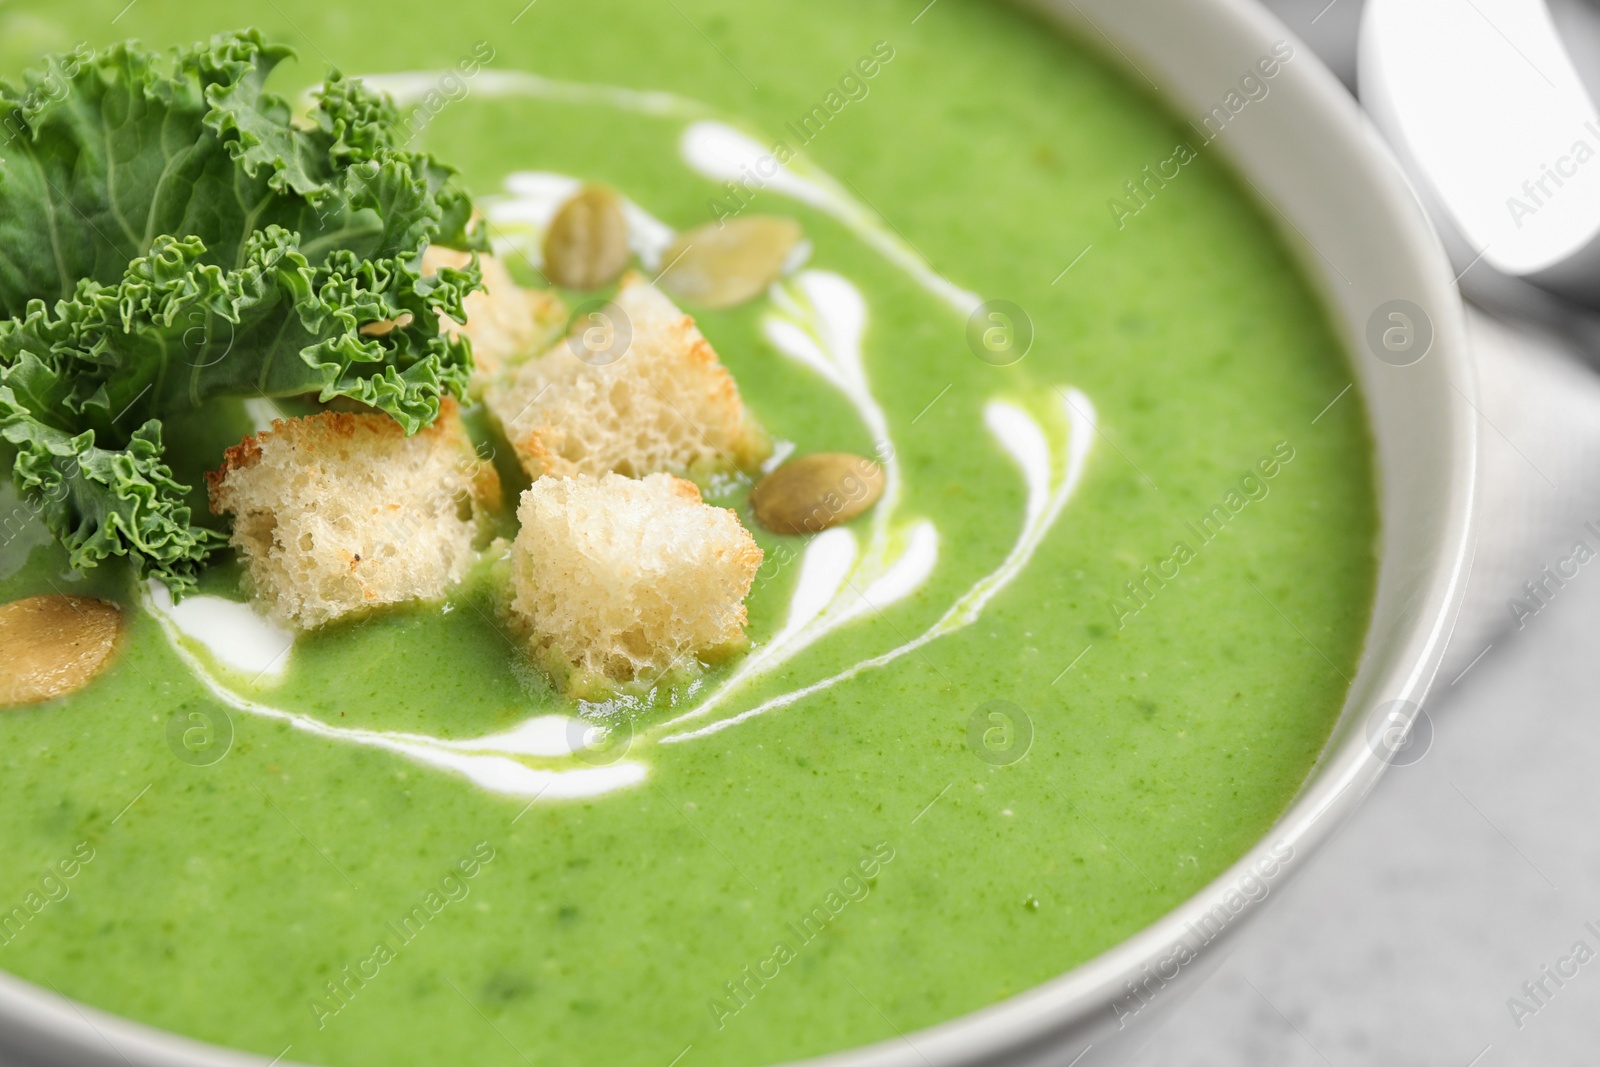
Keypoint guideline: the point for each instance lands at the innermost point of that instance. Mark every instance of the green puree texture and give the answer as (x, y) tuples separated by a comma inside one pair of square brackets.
[(604, 931)]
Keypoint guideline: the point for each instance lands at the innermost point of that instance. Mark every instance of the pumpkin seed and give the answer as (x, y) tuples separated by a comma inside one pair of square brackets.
[(384, 327), (54, 645), (586, 245), (812, 493), (722, 265)]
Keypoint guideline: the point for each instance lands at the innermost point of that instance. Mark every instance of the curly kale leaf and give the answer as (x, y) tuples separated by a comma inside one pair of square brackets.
[(168, 236), (104, 503)]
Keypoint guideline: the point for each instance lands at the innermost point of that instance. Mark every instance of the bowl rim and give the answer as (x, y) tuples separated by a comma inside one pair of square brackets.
[(1413, 614)]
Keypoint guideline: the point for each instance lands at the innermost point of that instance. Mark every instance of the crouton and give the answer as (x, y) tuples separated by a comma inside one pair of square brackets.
[(505, 322), (617, 580), (335, 513), (655, 399)]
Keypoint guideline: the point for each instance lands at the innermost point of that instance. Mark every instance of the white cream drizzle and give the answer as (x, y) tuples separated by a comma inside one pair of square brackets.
[(722, 153), (410, 86), (262, 411), (235, 634), (818, 319), (1051, 484), (493, 762)]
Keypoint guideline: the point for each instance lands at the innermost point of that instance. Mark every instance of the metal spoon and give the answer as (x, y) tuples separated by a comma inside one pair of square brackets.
[(1489, 105)]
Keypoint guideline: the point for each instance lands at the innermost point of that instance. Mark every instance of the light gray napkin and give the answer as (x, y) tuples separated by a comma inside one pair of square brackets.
[(1538, 505)]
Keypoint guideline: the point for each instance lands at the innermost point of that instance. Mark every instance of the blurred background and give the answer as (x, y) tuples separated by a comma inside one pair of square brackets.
[(1442, 925)]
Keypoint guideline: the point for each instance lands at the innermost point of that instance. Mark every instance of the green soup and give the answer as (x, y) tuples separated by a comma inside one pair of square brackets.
[(1077, 701)]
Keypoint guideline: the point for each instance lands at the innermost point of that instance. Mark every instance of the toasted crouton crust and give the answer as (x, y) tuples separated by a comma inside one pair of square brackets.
[(339, 512), (505, 322), (665, 404), (620, 581)]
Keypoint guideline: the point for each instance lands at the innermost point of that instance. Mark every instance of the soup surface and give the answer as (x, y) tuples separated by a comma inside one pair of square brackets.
[(1077, 660)]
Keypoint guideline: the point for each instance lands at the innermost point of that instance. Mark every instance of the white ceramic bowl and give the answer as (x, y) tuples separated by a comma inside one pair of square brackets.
[(1362, 237)]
